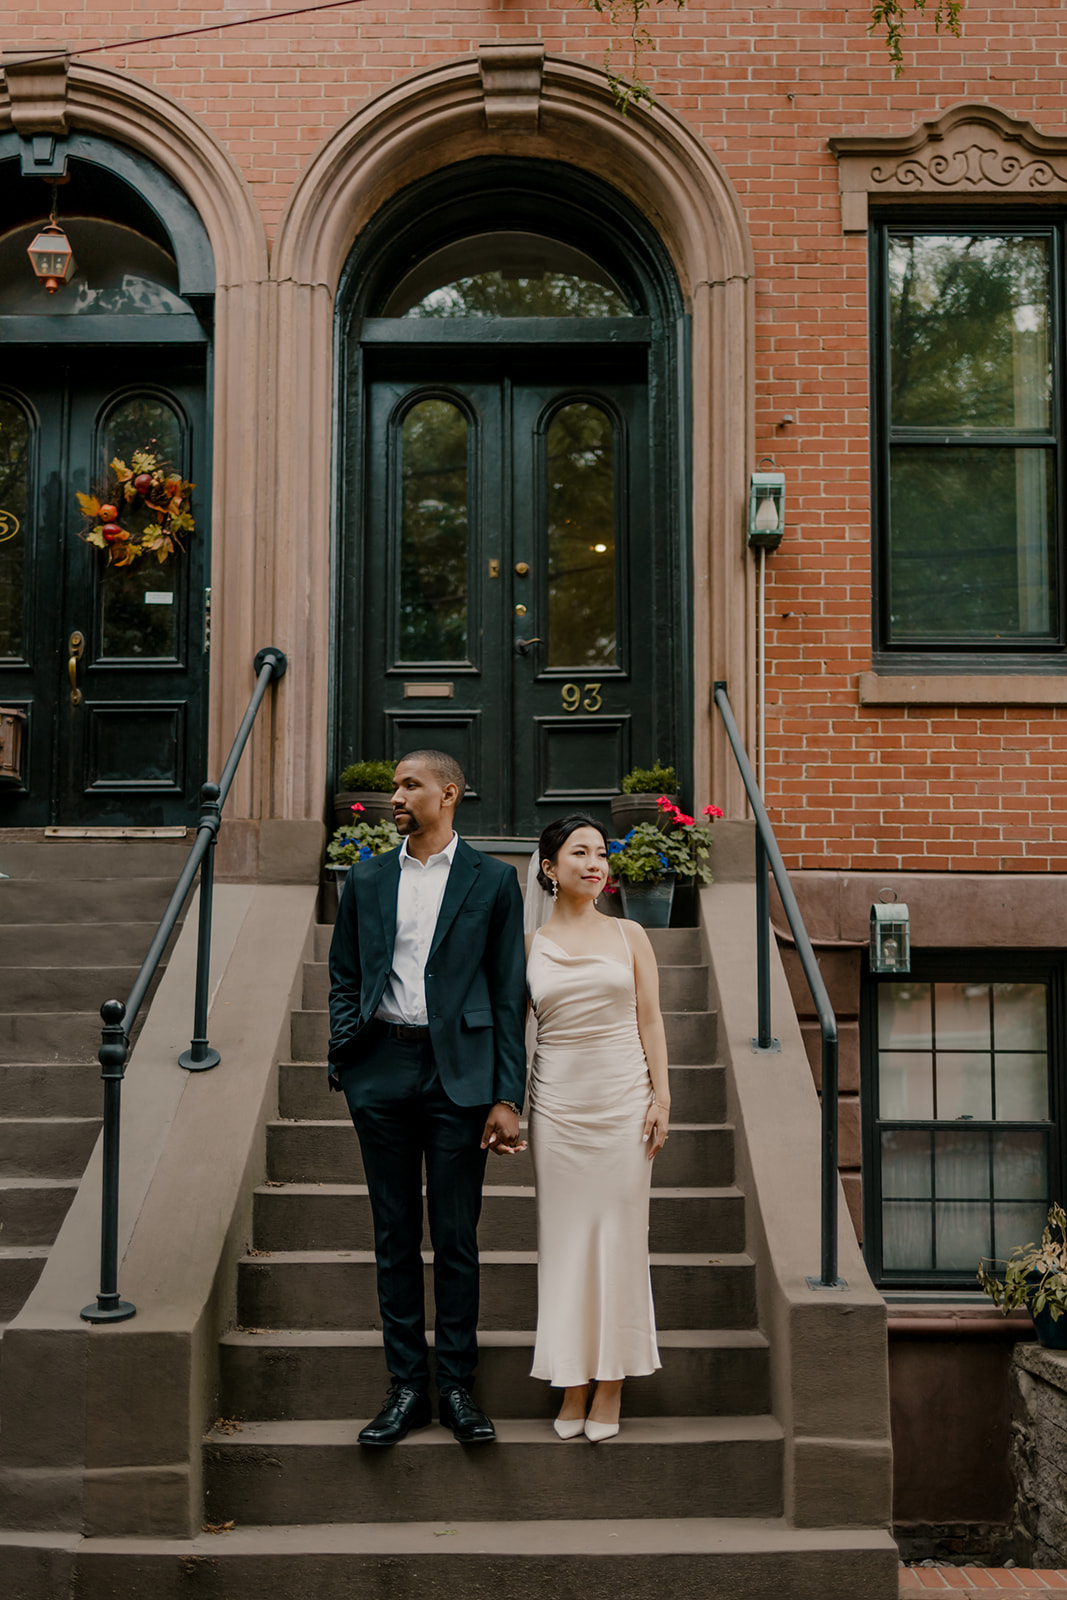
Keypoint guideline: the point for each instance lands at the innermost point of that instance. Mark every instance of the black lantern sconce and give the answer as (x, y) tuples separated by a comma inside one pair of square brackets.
[(890, 936), (766, 509), (51, 255)]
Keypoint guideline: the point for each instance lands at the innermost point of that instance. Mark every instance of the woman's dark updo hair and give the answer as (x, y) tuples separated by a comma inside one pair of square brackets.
[(556, 835)]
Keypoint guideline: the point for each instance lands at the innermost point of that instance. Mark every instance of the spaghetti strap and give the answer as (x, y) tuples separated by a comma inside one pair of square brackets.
[(626, 943)]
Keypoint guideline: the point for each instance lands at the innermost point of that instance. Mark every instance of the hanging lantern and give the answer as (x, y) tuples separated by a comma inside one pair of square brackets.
[(51, 256), (890, 938)]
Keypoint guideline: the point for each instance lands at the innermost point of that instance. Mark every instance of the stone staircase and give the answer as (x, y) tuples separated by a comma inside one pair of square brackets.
[(76, 919), (695, 1475)]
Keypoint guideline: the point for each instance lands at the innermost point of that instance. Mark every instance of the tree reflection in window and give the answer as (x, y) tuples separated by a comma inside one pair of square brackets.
[(14, 494), (580, 463), (137, 619), (508, 275), (434, 513)]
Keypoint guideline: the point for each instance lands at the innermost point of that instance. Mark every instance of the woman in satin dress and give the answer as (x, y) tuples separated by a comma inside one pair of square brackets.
[(599, 1115)]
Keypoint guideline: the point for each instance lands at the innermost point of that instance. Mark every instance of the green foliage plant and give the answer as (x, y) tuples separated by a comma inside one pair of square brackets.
[(650, 780), (676, 843), (372, 777), (1035, 1276), (357, 841), (890, 15)]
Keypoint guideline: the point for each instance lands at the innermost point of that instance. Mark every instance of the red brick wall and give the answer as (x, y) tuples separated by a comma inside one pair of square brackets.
[(766, 86)]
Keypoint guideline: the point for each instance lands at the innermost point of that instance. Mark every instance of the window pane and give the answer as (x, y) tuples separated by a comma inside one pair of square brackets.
[(581, 538), (904, 1016), (964, 1085), (963, 1235), (905, 1086), (961, 1165), (1020, 1016), (907, 1244), (433, 533), (969, 331), (906, 1164), (1020, 1167), (131, 623), (1014, 1225), (14, 494), (116, 270), (508, 275), (961, 1016), (971, 552), (1022, 1087)]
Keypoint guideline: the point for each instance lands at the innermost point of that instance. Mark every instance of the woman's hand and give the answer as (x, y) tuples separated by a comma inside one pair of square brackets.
[(657, 1124)]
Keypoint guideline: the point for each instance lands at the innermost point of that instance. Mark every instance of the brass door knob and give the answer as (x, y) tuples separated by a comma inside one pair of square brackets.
[(522, 568), (76, 646)]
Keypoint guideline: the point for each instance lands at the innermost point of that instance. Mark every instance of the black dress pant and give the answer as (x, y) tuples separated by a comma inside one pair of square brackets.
[(404, 1118)]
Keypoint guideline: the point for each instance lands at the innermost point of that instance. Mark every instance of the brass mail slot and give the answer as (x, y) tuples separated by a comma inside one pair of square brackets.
[(12, 723), (428, 691)]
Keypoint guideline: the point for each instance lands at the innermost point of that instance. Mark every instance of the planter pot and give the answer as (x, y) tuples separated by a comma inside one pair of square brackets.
[(1053, 1335), (627, 810), (648, 903), (376, 807), (335, 882)]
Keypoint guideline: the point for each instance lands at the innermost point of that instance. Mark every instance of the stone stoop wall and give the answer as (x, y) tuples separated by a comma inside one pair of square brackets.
[(1039, 1455)]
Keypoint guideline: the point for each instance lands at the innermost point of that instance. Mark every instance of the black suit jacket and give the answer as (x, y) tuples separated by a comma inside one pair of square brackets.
[(475, 974)]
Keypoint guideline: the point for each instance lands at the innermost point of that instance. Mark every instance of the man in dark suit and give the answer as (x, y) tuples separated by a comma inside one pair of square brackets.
[(427, 1013)]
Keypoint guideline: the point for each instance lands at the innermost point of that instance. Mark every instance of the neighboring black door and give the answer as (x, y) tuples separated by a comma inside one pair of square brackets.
[(108, 662), (508, 600)]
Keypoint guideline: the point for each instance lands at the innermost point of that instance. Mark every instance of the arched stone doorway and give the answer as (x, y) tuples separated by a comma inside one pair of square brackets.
[(512, 552)]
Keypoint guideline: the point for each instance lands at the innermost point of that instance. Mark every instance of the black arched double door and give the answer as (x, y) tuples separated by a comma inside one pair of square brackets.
[(107, 663), (511, 568)]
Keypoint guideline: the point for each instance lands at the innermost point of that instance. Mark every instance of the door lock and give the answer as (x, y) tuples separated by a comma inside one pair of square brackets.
[(76, 646)]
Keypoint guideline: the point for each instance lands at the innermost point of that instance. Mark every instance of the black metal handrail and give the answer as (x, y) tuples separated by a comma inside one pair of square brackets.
[(768, 853), (119, 1018)]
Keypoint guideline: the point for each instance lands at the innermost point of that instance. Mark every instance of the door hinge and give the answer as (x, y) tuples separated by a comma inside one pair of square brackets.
[(207, 620)]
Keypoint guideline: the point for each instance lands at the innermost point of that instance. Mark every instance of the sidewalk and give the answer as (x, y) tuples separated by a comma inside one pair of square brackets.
[(992, 1581)]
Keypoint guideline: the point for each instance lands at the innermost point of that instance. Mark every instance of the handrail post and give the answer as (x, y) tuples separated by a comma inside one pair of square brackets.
[(201, 1057), (763, 1040), (829, 1279), (114, 1047)]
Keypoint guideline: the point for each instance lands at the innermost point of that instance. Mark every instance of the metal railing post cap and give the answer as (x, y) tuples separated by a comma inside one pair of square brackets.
[(277, 658)]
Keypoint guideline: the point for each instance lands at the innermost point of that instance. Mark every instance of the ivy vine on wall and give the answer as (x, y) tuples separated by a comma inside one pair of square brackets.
[(630, 19)]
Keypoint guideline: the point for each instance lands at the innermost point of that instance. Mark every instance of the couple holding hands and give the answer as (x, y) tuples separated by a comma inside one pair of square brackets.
[(428, 1000)]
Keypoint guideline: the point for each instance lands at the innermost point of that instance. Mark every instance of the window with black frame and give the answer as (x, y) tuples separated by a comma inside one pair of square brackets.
[(959, 1093), (967, 415)]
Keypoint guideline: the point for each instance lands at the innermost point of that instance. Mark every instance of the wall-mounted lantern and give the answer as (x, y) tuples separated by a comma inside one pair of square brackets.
[(890, 937), (766, 509)]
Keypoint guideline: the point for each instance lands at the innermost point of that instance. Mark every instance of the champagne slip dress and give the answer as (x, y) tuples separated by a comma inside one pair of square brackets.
[(589, 1093)]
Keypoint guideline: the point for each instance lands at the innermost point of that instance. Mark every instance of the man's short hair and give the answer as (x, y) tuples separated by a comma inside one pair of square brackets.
[(444, 767)]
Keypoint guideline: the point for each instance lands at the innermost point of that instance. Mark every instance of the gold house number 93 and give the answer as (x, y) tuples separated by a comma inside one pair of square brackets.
[(572, 697)]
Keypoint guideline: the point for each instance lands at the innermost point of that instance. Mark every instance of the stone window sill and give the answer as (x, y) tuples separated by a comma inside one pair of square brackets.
[(971, 689)]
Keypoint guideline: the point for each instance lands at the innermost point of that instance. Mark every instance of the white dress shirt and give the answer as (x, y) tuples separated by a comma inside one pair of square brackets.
[(418, 904)]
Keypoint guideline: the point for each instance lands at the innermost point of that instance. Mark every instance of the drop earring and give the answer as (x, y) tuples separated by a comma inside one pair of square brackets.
[(555, 890)]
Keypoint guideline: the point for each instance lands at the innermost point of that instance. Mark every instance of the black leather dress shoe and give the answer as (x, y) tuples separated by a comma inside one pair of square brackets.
[(405, 1408), (469, 1425)]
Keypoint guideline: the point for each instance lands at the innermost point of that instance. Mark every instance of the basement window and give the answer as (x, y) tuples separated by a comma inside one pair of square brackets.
[(961, 1154)]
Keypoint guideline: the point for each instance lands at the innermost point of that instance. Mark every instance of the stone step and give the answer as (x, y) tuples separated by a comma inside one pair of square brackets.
[(20, 1267), (32, 1209), (46, 860), (79, 989), (687, 1558), (46, 1147), (50, 1035), (289, 1375), (45, 944), (330, 1289), (314, 1216), (691, 1035), (698, 1094), (120, 899), (50, 1089), (314, 1471), (680, 988), (697, 1155)]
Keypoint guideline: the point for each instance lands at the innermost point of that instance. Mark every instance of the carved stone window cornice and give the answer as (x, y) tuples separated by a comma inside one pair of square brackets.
[(969, 152)]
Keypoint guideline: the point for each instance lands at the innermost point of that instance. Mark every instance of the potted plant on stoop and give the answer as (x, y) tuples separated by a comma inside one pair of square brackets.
[(650, 858), (1035, 1277), (356, 840), (368, 784), (639, 801)]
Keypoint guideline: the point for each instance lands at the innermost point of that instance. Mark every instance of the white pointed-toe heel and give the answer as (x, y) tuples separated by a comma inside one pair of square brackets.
[(597, 1432), (569, 1427)]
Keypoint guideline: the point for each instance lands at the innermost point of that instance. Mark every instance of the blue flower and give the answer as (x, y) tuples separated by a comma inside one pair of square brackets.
[(662, 859), (614, 846)]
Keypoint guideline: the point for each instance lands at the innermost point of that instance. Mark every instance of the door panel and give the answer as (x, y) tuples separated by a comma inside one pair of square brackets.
[(114, 668), (502, 581)]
